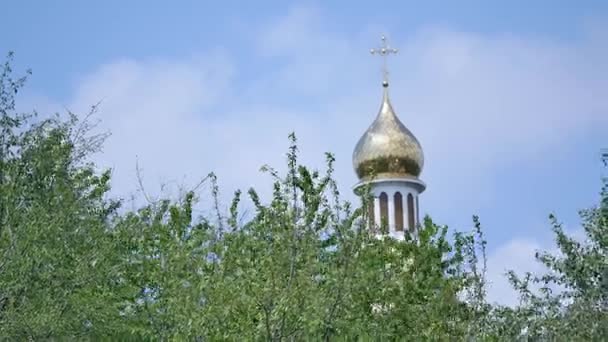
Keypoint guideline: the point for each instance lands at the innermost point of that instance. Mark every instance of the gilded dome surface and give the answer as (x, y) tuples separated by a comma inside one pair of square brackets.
[(387, 149)]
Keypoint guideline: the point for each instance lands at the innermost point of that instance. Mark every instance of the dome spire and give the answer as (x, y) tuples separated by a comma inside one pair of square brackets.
[(387, 149), (383, 51)]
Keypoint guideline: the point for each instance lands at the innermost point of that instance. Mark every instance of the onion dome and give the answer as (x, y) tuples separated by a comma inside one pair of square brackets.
[(387, 149)]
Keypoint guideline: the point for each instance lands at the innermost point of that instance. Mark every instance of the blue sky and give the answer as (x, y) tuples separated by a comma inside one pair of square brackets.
[(509, 99)]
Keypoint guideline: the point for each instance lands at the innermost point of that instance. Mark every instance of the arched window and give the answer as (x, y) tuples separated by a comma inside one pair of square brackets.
[(398, 200), (383, 211), (417, 211), (371, 213), (410, 212)]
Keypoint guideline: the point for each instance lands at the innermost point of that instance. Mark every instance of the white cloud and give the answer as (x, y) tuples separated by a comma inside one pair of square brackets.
[(479, 103), (476, 102), (159, 113), (516, 255)]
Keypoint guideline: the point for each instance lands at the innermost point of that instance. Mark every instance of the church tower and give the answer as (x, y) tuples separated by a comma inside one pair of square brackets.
[(388, 160)]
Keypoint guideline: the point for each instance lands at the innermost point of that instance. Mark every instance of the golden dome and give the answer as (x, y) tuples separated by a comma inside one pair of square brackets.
[(387, 149)]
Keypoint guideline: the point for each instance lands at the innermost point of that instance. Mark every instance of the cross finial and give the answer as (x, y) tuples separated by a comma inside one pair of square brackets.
[(384, 50)]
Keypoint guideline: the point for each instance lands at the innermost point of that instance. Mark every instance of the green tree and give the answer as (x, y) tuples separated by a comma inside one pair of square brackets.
[(303, 267), (56, 257)]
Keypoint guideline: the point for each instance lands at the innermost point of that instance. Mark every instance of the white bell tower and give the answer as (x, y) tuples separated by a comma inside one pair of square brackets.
[(388, 160)]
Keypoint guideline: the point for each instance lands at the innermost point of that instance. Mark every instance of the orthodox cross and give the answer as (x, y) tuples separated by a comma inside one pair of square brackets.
[(384, 50)]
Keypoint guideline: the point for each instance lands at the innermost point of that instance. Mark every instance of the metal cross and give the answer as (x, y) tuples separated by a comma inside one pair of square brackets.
[(384, 51)]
